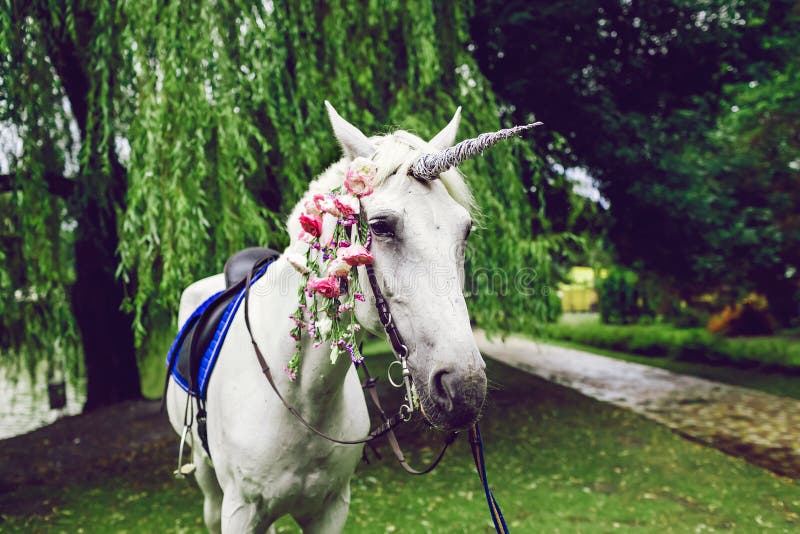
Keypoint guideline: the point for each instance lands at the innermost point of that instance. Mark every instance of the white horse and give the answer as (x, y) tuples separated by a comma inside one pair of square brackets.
[(265, 463)]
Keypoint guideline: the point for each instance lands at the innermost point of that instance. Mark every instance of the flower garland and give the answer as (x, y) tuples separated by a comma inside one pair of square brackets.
[(328, 264)]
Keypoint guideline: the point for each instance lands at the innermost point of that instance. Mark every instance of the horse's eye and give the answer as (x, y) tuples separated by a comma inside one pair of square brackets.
[(382, 227)]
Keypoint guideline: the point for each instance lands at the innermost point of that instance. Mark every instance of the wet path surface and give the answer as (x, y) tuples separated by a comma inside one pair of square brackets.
[(763, 428)]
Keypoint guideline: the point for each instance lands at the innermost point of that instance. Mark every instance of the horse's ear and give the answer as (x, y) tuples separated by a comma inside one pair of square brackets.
[(447, 136), (354, 143)]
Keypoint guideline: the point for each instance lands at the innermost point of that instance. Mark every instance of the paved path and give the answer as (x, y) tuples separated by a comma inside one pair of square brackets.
[(763, 428)]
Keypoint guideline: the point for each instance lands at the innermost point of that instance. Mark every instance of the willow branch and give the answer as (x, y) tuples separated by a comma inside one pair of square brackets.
[(57, 184)]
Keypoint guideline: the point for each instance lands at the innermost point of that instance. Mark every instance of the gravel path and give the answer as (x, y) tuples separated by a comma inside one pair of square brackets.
[(763, 428)]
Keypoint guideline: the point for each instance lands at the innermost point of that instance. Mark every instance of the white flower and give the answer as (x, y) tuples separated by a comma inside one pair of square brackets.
[(324, 325), (338, 267), (298, 261)]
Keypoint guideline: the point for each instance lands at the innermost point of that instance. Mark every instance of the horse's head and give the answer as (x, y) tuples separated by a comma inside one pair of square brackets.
[(420, 216)]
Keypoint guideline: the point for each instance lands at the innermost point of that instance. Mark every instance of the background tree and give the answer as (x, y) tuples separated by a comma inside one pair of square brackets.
[(636, 89), (62, 64), (198, 126)]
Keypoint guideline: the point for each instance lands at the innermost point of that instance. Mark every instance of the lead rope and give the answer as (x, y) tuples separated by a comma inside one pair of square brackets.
[(476, 444)]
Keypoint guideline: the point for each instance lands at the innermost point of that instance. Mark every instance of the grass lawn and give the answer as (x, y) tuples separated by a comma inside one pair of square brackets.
[(557, 461)]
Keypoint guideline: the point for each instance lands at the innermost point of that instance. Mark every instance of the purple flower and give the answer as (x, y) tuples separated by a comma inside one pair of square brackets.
[(353, 357), (358, 296), (291, 373)]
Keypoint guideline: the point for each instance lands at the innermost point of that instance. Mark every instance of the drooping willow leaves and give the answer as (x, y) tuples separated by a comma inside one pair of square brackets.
[(215, 110)]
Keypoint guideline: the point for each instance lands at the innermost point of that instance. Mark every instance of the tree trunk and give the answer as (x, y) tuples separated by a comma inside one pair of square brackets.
[(108, 344), (97, 295)]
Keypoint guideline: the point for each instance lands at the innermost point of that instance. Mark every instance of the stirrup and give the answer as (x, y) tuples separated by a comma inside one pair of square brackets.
[(188, 468)]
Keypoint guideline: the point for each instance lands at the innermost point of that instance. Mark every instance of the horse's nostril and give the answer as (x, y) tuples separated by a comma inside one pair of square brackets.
[(440, 390)]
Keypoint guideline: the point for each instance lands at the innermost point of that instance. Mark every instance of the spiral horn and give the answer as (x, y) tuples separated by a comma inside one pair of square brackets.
[(430, 166)]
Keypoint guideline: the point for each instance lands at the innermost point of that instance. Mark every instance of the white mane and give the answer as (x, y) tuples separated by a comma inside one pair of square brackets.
[(395, 150)]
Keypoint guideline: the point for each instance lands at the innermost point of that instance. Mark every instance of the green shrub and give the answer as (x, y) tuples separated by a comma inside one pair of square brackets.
[(554, 307), (687, 344), (688, 317), (621, 297)]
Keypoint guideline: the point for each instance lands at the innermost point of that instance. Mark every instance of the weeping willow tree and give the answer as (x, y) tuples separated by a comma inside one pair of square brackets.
[(197, 125)]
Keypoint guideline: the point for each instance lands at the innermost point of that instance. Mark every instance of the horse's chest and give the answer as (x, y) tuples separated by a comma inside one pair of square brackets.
[(303, 472)]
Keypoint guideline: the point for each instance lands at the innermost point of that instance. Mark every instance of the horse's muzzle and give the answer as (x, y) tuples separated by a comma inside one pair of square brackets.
[(455, 397)]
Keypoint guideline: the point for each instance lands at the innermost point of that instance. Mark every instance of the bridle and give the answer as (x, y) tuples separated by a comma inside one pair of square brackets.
[(403, 414)]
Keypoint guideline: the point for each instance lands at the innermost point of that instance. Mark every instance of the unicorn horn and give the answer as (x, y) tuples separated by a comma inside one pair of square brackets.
[(430, 166)]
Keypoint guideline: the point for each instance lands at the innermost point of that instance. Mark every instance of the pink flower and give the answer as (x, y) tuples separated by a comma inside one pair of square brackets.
[(360, 179), (311, 223), (338, 267), (327, 287), (311, 207), (355, 255), (328, 205), (305, 237), (347, 205), (291, 373), (318, 199)]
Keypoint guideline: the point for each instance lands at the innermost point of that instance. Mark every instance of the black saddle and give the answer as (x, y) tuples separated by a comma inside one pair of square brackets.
[(198, 336), (241, 263)]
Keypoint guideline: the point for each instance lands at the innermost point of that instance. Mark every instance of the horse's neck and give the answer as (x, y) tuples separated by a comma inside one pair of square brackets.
[(318, 380)]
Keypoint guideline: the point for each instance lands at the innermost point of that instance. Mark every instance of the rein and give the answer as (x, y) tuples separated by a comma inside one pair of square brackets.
[(403, 414), (389, 423)]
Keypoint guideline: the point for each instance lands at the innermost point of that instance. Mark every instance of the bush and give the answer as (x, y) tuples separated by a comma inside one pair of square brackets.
[(750, 317), (554, 307), (688, 317), (621, 298), (690, 344)]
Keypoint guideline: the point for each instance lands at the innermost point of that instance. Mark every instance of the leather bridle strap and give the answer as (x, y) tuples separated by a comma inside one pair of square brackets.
[(385, 315), (388, 422), (393, 443)]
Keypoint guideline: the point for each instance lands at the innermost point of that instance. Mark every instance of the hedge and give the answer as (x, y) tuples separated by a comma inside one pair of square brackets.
[(688, 344)]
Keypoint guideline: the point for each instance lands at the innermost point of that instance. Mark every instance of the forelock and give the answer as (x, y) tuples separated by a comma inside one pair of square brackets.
[(397, 151), (394, 155)]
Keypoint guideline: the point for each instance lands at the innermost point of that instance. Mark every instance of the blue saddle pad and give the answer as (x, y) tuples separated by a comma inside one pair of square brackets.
[(177, 358)]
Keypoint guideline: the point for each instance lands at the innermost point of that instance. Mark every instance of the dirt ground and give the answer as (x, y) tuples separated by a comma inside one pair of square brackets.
[(114, 440)]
